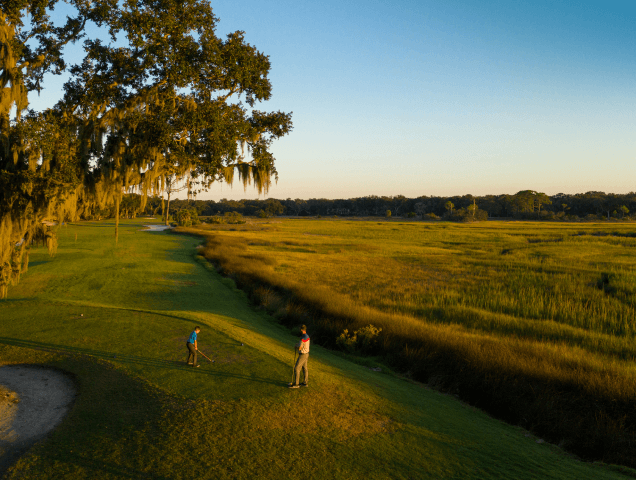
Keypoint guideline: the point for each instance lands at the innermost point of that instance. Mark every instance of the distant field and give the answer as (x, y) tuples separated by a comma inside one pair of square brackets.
[(534, 321)]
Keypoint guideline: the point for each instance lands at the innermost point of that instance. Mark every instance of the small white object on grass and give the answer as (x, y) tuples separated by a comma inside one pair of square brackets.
[(241, 344), (81, 314)]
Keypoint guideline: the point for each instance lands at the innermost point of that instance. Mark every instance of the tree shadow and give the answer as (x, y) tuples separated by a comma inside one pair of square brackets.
[(18, 300), (127, 359)]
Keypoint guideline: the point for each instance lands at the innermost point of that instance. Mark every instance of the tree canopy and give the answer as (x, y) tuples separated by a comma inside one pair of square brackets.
[(163, 98)]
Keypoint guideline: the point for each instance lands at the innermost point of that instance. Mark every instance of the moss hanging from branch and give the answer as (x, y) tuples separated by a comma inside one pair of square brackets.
[(123, 126)]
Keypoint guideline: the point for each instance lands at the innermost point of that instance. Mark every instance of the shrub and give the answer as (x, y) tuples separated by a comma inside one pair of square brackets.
[(234, 218), (467, 215), (388, 214), (347, 342), (183, 218), (411, 215), (362, 340), (187, 217)]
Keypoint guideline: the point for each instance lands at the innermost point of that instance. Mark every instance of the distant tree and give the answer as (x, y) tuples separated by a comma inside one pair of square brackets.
[(449, 206), (541, 199), (171, 187), (130, 205), (529, 200), (624, 211), (472, 208), (523, 201), (273, 207), (419, 208), (388, 214), (234, 218)]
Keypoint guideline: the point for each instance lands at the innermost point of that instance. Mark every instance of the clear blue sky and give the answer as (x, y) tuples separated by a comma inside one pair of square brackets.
[(444, 98)]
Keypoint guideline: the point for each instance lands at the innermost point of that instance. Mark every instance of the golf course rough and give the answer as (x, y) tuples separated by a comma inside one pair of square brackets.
[(117, 318)]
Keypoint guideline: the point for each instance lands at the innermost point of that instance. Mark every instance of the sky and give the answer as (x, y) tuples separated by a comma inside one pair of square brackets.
[(441, 98)]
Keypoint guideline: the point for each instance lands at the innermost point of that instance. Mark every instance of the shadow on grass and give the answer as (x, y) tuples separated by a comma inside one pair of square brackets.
[(30, 300), (39, 262), (131, 359), (94, 467)]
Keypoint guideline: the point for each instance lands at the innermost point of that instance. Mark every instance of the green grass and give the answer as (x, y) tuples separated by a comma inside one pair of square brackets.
[(116, 318), (531, 321)]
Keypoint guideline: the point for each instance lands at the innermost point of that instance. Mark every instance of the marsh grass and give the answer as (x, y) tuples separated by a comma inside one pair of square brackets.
[(532, 322)]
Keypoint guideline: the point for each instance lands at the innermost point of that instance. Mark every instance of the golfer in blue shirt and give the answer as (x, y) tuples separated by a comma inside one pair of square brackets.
[(192, 347)]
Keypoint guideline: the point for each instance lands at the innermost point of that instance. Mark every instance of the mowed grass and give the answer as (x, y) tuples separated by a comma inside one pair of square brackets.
[(533, 321), (116, 319)]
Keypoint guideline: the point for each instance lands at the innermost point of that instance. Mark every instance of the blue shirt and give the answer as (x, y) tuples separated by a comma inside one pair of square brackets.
[(193, 337)]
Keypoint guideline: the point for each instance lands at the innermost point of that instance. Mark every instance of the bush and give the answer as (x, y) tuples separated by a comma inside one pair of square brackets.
[(183, 218), (187, 217), (362, 340), (388, 214), (411, 215), (261, 214), (466, 215), (234, 218)]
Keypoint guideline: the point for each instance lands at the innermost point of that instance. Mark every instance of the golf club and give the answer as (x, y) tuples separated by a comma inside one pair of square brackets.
[(205, 356)]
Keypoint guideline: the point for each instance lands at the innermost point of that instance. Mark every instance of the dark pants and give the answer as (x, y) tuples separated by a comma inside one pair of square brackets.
[(192, 353)]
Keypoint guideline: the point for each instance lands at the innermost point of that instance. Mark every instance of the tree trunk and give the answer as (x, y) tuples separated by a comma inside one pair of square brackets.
[(116, 219), (168, 209)]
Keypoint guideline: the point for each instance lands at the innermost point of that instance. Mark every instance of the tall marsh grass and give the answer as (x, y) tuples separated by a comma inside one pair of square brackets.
[(534, 323)]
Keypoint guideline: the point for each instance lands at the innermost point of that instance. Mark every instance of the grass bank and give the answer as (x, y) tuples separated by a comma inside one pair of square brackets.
[(531, 322)]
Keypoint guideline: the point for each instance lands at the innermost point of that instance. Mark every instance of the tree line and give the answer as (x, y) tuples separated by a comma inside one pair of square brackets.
[(524, 205), (162, 101)]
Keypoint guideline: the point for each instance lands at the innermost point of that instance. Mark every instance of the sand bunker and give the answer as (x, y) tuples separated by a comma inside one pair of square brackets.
[(156, 228), (33, 401)]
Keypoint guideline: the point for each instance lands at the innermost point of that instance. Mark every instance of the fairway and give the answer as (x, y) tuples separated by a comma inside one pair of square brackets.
[(116, 318)]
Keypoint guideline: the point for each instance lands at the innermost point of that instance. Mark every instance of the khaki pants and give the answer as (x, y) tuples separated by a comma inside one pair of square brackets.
[(191, 353), (301, 363)]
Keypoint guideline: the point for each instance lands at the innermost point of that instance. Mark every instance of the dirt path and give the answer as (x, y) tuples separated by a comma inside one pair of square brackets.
[(33, 401)]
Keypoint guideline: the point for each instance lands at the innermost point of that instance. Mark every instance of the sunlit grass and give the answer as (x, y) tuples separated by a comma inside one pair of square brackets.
[(116, 318), (547, 305)]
